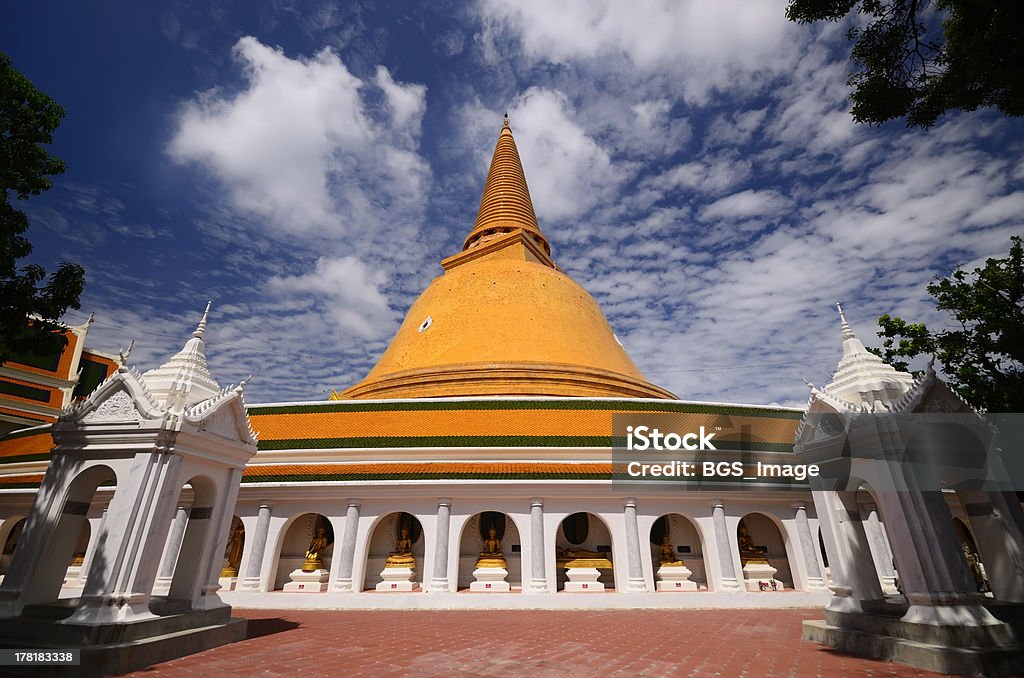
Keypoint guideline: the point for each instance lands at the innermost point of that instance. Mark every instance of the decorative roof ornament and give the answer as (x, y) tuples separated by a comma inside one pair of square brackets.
[(200, 332), (862, 378), (847, 332), (125, 353), (186, 376), (506, 205)]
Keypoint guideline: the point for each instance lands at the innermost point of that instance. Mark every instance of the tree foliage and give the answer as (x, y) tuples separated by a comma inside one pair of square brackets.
[(982, 353), (918, 59), (28, 119)]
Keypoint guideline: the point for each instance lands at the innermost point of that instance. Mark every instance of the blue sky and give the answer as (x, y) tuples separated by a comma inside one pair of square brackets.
[(306, 166)]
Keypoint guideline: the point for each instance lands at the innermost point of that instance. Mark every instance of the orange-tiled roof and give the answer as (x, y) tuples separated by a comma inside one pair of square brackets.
[(280, 472), (457, 422)]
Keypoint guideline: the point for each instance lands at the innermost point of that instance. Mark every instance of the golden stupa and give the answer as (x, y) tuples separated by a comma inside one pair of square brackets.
[(503, 319)]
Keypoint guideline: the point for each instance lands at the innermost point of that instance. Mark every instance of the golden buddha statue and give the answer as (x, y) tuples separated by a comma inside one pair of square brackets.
[(402, 555), (667, 554), (749, 553), (491, 555), (976, 568), (581, 558), (316, 546), (233, 551)]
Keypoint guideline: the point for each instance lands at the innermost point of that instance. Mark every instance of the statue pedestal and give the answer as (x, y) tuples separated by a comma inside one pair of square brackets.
[(228, 583), (308, 582), (755, 573), (675, 578), (490, 580), (583, 580), (72, 580), (397, 579)]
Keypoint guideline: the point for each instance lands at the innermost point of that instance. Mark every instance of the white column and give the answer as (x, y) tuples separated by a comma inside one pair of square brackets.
[(172, 548), (636, 568), (348, 547), (724, 547), (808, 547), (880, 551), (95, 526), (254, 567), (538, 579), (439, 582)]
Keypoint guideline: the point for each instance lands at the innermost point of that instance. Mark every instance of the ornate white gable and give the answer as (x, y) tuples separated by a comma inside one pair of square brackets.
[(118, 407)]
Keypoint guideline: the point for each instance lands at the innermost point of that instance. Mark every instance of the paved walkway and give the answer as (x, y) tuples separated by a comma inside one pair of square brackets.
[(532, 643)]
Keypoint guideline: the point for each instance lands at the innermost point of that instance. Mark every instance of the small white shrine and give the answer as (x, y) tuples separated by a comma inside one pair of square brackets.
[(908, 443), (157, 438)]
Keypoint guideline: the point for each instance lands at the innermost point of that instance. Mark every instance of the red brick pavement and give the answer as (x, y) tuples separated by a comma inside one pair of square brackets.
[(530, 643)]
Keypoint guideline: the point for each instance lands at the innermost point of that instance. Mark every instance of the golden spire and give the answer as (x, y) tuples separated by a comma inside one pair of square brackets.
[(506, 205)]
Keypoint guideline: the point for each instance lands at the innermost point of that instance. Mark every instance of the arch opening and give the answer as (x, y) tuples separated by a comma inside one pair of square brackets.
[(763, 554), (583, 548), (306, 547), (675, 538), (475, 534), (396, 550)]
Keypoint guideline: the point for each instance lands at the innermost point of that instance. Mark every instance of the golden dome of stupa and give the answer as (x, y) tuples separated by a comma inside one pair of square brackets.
[(503, 319)]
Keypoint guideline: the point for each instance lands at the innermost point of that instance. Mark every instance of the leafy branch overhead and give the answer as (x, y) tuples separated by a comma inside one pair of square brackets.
[(982, 353), (28, 119), (918, 59)]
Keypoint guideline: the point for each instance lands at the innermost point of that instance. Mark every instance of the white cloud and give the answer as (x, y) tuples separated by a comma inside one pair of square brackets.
[(346, 290), (297, 147), (708, 176), (406, 102), (707, 45), (745, 204)]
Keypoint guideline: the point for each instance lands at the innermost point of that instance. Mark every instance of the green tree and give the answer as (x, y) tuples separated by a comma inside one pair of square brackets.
[(982, 354), (918, 59), (28, 119)]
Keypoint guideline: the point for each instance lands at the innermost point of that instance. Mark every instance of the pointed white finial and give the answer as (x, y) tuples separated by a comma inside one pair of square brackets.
[(126, 352), (201, 328), (241, 384), (847, 332), (92, 318)]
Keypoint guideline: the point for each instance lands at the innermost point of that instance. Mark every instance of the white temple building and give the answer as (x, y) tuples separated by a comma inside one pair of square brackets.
[(479, 464)]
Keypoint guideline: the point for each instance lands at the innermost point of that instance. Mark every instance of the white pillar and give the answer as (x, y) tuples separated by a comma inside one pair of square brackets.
[(880, 551), (636, 568), (439, 582), (538, 578), (95, 525), (724, 547), (348, 547), (172, 548), (809, 550), (254, 567)]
